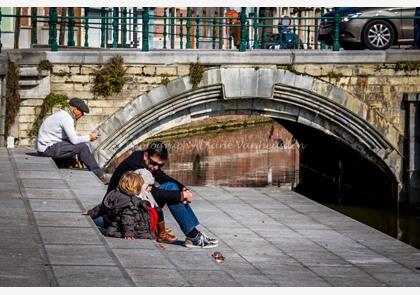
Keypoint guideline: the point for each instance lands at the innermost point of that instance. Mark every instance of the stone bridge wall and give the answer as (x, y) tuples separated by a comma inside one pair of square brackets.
[(374, 77)]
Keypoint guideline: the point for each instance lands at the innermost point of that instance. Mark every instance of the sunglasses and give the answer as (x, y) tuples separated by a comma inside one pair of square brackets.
[(153, 163)]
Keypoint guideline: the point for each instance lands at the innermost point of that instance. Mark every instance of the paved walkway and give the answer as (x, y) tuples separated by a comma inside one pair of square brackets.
[(268, 236)]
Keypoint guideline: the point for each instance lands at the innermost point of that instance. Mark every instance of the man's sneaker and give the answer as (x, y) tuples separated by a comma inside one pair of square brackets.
[(200, 241), (210, 240)]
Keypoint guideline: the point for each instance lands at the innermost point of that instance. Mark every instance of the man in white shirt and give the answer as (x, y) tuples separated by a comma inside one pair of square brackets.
[(57, 137)]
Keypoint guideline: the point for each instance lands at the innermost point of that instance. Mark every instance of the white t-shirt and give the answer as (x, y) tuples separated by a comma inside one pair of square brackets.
[(58, 127)]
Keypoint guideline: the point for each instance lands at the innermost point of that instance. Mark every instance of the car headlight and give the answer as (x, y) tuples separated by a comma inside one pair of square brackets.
[(350, 16)]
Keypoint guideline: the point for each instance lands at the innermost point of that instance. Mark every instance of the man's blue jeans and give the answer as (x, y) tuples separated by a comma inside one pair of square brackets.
[(183, 213)]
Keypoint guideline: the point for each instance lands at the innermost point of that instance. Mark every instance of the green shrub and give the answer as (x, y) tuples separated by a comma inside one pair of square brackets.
[(12, 96)]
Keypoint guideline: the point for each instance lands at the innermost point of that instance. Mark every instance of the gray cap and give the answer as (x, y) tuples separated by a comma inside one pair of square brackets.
[(80, 104)]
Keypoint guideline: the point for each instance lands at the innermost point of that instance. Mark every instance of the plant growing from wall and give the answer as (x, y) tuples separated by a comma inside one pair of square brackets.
[(44, 65), (165, 80), (109, 79), (50, 101), (196, 74), (12, 96)]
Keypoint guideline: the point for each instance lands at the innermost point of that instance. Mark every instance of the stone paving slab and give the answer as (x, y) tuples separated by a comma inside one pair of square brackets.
[(284, 239)]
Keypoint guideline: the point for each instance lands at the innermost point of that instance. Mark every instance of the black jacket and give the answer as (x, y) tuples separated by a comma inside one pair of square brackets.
[(126, 214), (136, 161)]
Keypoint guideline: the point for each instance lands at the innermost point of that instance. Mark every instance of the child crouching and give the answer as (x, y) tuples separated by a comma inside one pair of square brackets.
[(126, 214)]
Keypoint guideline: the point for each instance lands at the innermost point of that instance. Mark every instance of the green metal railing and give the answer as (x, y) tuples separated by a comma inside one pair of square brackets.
[(116, 26)]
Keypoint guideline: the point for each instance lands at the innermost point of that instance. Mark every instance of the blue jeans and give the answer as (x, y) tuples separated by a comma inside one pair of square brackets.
[(183, 213), (101, 224)]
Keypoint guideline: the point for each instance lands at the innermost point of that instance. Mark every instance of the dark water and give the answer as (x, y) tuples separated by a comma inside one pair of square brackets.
[(246, 156)]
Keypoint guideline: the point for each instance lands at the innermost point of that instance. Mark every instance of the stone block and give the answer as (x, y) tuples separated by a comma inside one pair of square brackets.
[(183, 70), (168, 70), (81, 79), (157, 277), (79, 255), (46, 205), (32, 193), (59, 235), (75, 70), (63, 219), (89, 69), (62, 88), (134, 70), (142, 259), (149, 70), (90, 276)]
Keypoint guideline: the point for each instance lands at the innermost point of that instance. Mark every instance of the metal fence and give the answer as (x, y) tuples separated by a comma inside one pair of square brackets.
[(244, 31)]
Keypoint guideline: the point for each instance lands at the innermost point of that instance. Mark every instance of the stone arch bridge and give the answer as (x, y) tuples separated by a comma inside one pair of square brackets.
[(355, 99)]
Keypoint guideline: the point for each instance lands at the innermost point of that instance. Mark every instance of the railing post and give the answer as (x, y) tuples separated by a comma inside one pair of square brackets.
[(242, 46), (188, 44), (308, 40), (181, 31), (115, 12), (103, 33), (52, 40), (172, 26), (70, 41), (34, 20), (86, 27), (197, 34), (230, 33), (164, 29), (337, 21), (124, 27), (145, 31), (264, 34), (1, 45), (322, 22), (255, 26), (213, 38)]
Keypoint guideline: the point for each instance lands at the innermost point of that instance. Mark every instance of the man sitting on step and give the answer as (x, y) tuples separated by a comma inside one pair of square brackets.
[(57, 137)]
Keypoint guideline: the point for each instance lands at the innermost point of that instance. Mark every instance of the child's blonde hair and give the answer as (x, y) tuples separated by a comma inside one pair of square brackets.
[(131, 183)]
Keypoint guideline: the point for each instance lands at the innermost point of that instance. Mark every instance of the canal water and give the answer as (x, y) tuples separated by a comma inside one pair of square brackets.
[(259, 154)]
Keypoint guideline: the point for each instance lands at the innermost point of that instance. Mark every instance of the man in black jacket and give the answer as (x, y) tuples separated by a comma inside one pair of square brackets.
[(170, 192)]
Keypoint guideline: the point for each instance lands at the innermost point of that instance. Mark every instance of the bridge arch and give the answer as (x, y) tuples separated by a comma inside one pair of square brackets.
[(255, 91)]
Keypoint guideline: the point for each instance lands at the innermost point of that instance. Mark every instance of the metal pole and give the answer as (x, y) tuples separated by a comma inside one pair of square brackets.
[(145, 15), (86, 26), (115, 12), (165, 33), (70, 41), (308, 40), (264, 34), (197, 35), (188, 44), (230, 33), (124, 27), (34, 19), (103, 20), (52, 29), (337, 20), (242, 46), (135, 27), (255, 25)]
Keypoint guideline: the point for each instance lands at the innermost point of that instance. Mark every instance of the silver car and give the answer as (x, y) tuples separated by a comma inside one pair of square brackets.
[(388, 26)]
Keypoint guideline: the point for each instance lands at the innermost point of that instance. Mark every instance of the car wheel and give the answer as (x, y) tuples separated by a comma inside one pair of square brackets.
[(378, 34)]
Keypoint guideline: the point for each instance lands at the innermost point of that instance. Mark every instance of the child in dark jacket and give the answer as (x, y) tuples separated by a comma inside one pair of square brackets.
[(126, 214)]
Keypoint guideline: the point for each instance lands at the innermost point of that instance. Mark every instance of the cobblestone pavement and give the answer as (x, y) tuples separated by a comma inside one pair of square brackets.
[(268, 236)]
